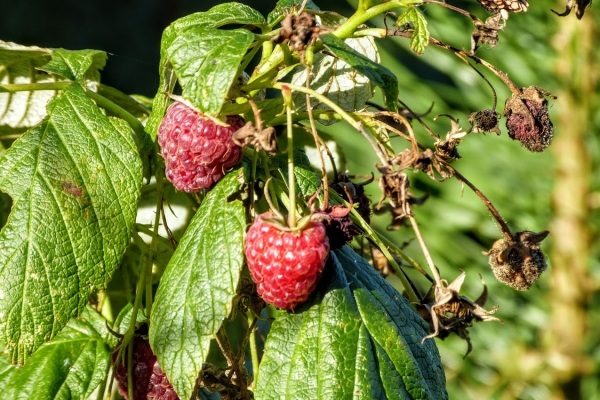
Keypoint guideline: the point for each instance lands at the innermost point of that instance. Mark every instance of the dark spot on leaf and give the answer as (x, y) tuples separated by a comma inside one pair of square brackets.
[(72, 189)]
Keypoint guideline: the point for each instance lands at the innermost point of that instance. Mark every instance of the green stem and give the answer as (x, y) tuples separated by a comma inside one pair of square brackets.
[(361, 16), (335, 107), (287, 95), (155, 237), (253, 348), (30, 87)]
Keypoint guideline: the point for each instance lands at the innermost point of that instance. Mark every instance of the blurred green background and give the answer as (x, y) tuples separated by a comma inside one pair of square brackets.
[(549, 344)]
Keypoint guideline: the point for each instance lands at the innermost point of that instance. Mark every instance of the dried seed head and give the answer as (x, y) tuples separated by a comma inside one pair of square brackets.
[(519, 264), (496, 6), (527, 119)]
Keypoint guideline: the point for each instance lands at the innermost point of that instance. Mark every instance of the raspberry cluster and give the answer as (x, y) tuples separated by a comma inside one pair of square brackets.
[(285, 265), (196, 150)]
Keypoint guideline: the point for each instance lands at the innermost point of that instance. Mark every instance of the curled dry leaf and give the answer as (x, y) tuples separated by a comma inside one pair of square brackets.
[(527, 118), (521, 263), (446, 311), (263, 139), (581, 5), (445, 150)]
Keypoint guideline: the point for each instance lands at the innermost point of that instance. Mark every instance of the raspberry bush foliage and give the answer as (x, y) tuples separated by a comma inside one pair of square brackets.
[(274, 287)]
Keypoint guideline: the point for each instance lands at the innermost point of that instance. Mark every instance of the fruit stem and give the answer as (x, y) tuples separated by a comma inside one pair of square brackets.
[(363, 15), (287, 99), (253, 347)]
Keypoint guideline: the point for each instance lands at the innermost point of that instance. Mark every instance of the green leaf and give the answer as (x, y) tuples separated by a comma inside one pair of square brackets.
[(75, 181), (19, 66), (350, 342), (307, 180), (285, 7), (336, 79), (420, 36), (220, 15), (82, 66), (411, 327), (69, 367), (206, 62), (377, 73), (196, 291)]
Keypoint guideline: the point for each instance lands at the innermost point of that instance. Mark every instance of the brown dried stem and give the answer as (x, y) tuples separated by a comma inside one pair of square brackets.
[(462, 53), (501, 223)]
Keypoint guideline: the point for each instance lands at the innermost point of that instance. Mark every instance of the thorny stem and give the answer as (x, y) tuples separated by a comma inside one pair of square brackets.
[(313, 131), (425, 250), (461, 53), (287, 96), (501, 223)]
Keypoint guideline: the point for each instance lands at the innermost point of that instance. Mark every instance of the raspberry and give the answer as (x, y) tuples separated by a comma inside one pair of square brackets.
[(149, 380), (285, 265), (197, 151)]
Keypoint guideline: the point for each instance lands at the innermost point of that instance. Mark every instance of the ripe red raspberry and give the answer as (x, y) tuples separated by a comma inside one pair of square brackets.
[(285, 265), (197, 152), (149, 380)]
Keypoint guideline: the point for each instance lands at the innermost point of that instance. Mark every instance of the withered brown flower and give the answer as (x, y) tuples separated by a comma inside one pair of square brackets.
[(521, 263), (446, 311), (299, 31)]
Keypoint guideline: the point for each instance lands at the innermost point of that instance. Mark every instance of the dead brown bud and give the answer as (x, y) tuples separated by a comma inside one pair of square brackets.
[(527, 118), (521, 263)]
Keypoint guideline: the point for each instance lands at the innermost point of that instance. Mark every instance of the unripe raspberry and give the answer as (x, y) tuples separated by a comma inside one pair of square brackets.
[(197, 151), (285, 265), (149, 380)]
